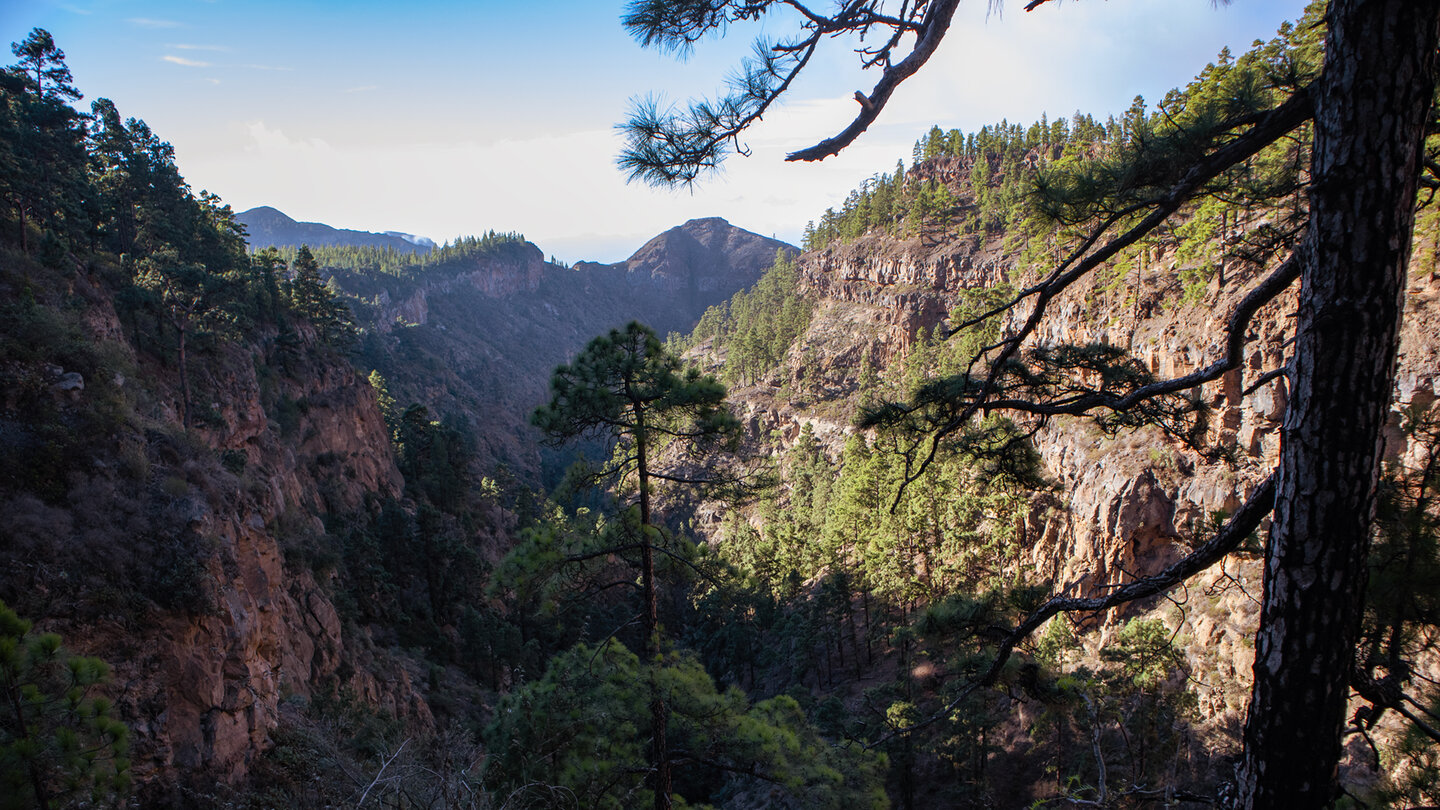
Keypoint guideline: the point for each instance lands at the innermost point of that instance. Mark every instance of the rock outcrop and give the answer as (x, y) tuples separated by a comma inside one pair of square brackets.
[(1124, 506), (178, 556)]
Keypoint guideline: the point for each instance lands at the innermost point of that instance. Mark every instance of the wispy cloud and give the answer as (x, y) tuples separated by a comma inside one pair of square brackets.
[(180, 46), (147, 22), (274, 142), (180, 60), (364, 88), (77, 10)]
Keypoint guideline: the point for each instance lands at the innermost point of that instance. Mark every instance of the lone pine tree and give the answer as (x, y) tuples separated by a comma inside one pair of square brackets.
[(628, 389), (43, 62), (1369, 108)]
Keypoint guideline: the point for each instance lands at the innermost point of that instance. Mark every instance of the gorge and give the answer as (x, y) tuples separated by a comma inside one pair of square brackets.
[(289, 491)]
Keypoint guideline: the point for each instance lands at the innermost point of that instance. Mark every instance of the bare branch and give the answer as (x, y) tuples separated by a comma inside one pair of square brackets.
[(1265, 378), (381, 772), (1245, 521), (1264, 293), (931, 31)]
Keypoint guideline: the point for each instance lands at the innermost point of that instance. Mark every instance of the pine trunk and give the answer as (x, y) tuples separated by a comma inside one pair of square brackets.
[(21, 732), (659, 712), (1369, 129)]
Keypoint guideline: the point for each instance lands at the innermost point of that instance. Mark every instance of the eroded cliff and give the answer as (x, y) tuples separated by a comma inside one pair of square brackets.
[(185, 558)]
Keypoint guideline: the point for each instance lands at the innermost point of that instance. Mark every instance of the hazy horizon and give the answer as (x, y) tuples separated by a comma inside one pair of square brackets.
[(448, 119)]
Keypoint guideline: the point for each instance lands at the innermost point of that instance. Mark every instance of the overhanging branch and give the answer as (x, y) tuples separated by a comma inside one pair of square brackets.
[(1240, 526), (1266, 130), (1235, 329), (931, 31)]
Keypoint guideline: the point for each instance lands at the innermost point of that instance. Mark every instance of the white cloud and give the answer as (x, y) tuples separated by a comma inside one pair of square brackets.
[(180, 60), (187, 47), (363, 88)]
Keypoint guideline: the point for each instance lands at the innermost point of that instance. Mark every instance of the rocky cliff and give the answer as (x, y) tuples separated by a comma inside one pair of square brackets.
[(1123, 506), (185, 558)]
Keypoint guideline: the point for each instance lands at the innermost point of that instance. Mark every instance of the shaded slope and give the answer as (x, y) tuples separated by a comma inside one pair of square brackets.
[(478, 339)]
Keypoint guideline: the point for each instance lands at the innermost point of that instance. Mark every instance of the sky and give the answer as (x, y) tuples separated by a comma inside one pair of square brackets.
[(452, 118)]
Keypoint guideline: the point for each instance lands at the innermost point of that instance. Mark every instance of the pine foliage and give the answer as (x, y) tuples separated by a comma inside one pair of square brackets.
[(755, 329), (60, 745)]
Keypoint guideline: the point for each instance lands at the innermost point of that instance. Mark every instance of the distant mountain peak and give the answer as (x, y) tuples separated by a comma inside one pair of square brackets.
[(270, 227), (705, 222), (267, 211)]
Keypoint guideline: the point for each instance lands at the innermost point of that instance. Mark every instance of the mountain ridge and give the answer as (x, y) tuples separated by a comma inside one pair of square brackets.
[(267, 226), (479, 336)]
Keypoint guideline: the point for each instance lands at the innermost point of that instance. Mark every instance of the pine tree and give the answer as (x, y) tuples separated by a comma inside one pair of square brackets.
[(625, 387), (318, 301), (41, 61), (42, 146), (569, 733), (57, 739), (191, 299)]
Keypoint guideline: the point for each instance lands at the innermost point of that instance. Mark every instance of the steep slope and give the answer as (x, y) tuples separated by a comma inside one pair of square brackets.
[(477, 338), (1123, 506), (186, 559)]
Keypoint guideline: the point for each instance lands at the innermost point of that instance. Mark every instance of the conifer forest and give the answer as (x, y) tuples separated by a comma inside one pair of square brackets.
[(1089, 462)]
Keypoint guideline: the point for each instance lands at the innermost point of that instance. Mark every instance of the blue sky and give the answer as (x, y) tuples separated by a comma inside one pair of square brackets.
[(450, 118)]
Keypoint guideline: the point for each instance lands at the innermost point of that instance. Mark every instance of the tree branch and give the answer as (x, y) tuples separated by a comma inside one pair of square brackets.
[(1386, 693), (1267, 128), (931, 31), (1240, 525), (750, 770), (1235, 329), (381, 773)]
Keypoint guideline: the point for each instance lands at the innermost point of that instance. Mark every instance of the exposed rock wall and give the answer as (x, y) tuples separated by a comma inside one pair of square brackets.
[(909, 286), (272, 632), (1125, 506), (171, 565)]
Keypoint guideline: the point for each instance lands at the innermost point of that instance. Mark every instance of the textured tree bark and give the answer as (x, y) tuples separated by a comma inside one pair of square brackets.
[(659, 712), (1370, 114)]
